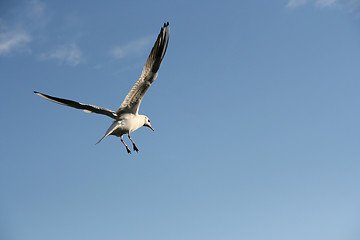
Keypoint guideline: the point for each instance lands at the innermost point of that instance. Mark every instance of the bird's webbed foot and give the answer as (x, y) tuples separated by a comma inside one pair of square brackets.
[(135, 148), (128, 150)]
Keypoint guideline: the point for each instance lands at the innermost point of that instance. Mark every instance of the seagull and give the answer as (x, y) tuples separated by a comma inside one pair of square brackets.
[(127, 118)]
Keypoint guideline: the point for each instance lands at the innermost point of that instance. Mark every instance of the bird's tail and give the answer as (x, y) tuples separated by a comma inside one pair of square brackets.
[(102, 138), (111, 129)]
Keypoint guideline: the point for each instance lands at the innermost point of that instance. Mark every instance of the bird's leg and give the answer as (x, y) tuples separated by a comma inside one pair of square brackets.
[(134, 146), (127, 148)]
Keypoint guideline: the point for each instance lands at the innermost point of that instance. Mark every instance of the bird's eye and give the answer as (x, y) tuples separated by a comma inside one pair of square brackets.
[(148, 120)]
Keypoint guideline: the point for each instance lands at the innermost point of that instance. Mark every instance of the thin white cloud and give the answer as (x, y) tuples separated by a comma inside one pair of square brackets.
[(296, 3), (133, 48), (12, 41), (36, 9), (353, 6), (325, 3), (29, 26), (320, 3), (68, 54), (16, 35)]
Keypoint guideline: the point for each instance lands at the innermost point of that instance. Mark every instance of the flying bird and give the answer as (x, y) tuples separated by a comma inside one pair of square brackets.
[(127, 118)]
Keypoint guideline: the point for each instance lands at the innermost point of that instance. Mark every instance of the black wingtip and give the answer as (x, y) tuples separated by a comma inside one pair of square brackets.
[(166, 24)]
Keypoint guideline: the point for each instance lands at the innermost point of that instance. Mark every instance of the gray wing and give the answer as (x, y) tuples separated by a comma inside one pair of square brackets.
[(149, 73), (85, 107)]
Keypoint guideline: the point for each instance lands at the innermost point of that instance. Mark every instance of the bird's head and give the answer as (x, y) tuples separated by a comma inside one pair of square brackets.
[(147, 123)]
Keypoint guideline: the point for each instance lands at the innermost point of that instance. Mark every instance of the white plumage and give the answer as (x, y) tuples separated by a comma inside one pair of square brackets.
[(126, 116)]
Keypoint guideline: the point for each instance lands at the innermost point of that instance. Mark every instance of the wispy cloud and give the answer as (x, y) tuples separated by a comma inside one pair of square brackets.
[(352, 5), (296, 3), (326, 3), (36, 9), (133, 48), (67, 54), (320, 3), (12, 41), (16, 35)]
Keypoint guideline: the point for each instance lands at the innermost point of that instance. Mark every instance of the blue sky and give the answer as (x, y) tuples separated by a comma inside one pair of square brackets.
[(256, 112)]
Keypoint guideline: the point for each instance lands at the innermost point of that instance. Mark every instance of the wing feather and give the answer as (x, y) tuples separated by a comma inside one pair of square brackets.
[(85, 107), (149, 73)]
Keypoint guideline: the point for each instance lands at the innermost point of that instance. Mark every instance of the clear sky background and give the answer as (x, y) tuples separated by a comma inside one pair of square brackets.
[(256, 112)]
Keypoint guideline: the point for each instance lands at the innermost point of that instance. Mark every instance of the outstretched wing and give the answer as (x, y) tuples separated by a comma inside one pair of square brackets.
[(149, 73), (85, 107)]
